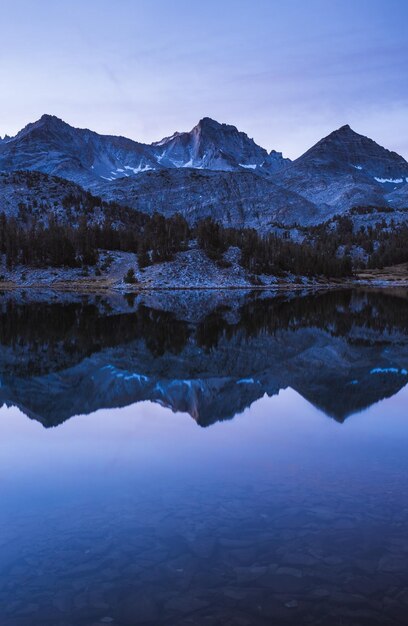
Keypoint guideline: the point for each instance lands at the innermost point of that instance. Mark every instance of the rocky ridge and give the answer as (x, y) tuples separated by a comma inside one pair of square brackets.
[(216, 170)]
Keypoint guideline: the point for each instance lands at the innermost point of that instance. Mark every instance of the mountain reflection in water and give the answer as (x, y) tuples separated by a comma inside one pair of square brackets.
[(210, 356), (134, 515)]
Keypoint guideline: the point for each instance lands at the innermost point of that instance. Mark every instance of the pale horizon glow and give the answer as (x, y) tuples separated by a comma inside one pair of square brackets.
[(287, 74)]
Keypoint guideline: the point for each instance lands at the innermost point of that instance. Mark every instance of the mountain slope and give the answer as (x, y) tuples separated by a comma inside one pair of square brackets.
[(240, 199), (343, 170), (54, 147), (398, 198), (24, 194)]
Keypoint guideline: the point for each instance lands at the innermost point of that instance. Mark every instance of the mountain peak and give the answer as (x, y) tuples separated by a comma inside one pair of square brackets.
[(46, 123), (46, 117), (50, 121), (344, 128), (215, 146), (208, 121), (346, 133), (345, 169), (345, 146), (52, 145)]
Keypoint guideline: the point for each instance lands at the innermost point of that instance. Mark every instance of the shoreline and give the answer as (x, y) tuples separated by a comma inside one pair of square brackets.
[(189, 271), (193, 273), (85, 287)]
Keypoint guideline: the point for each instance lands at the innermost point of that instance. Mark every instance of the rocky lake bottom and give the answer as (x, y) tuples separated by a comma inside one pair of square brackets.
[(204, 468)]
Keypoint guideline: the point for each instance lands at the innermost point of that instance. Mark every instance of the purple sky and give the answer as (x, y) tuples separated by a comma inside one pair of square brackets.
[(287, 73)]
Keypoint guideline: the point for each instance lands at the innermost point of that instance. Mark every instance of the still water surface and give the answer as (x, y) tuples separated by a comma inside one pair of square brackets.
[(255, 471)]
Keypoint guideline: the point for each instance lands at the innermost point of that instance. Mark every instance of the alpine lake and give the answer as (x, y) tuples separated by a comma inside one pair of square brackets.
[(204, 458)]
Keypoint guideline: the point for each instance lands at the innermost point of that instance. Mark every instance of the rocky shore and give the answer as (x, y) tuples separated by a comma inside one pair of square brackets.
[(191, 269)]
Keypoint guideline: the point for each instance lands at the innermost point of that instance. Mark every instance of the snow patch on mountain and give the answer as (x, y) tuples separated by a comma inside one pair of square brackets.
[(389, 370), (389, 180), (140, 168)]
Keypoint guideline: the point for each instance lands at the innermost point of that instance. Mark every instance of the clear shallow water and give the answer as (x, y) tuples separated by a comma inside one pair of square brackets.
[(284, 513)]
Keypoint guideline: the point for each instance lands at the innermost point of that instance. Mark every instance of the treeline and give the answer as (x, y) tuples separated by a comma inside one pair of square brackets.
[(392, 249), (57, 244), (270, 254), (374, 246), (38, 242), (72, 233)]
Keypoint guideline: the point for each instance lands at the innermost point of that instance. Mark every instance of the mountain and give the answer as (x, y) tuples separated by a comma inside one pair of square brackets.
[(30, 193), (232, 198), (345, 148), (343, 170), (51, 146), (240, 199), (215, 170), (214, 146)]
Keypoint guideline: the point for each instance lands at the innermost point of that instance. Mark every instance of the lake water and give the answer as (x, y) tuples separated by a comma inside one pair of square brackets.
[(204, 458)]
